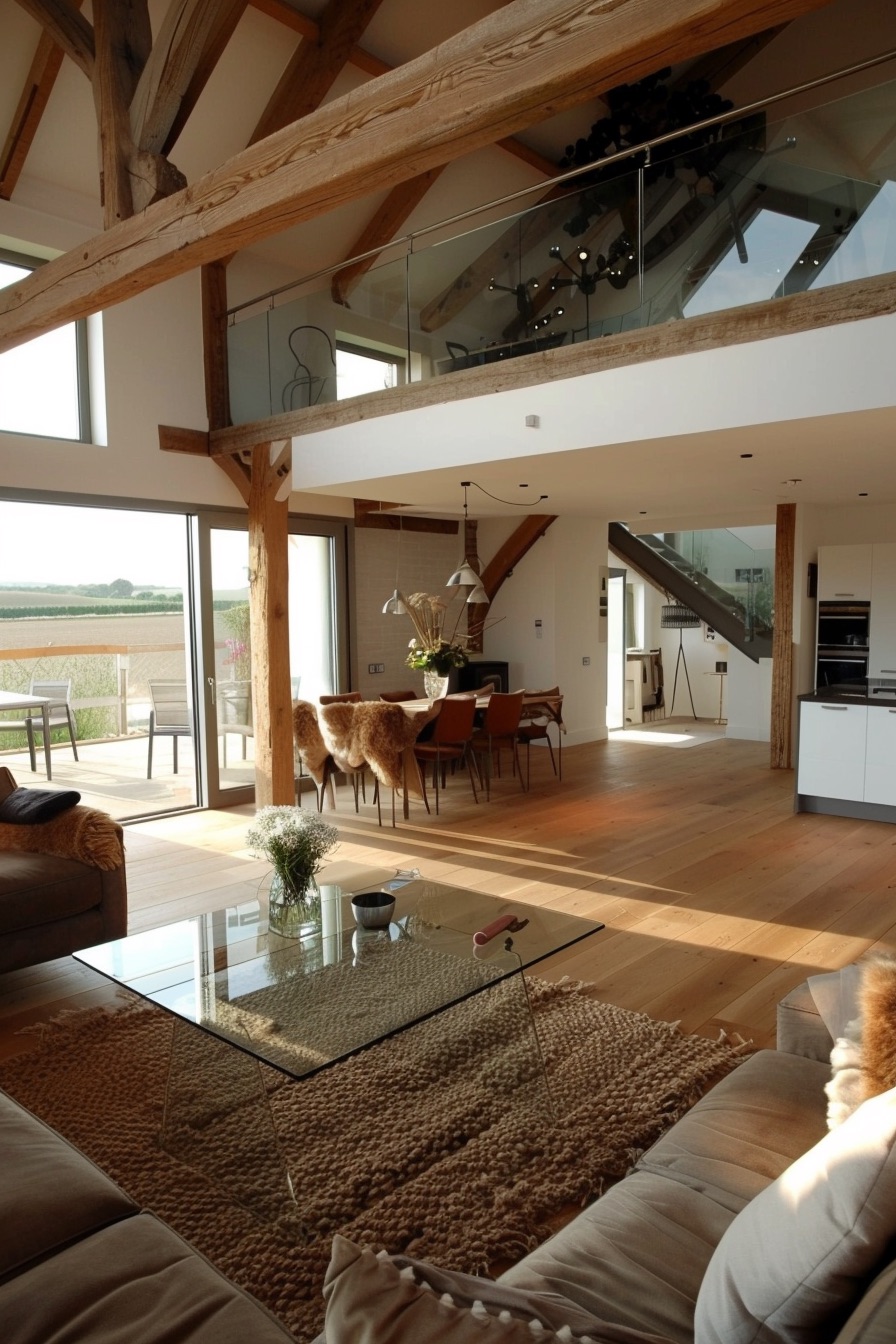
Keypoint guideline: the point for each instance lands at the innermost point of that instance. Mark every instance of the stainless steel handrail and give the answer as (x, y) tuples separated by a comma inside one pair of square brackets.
[(646, 148)]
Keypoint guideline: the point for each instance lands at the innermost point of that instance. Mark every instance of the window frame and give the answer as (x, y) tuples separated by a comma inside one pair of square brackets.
[(354, 346), (28, 262)]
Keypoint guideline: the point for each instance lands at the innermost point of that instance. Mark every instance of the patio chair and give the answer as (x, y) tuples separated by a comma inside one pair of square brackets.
[(538, 715), (169, 716), (499, 729), (234, 708), (450, 741), (60, 711)]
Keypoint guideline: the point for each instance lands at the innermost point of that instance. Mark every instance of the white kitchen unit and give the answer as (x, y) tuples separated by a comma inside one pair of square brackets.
[(844, 573), (882, 652), (880, 756), (832, 751), (846, 757)]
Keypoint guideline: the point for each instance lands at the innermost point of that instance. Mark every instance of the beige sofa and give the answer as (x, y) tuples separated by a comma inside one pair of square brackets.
[(727, 1231), (62, 884), (81, 1264)]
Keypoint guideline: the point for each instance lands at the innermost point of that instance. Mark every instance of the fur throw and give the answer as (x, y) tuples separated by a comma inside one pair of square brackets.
[(863, 1060), (877, 998), (373, 731), (80, 833), (309, 744)]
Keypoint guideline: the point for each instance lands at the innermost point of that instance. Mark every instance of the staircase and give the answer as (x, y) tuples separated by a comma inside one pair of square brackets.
[(658, 564)]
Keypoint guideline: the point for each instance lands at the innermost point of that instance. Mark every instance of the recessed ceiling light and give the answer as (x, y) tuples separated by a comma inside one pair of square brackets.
[(642, 511), (794, 480), (746, 454), (863, 494)]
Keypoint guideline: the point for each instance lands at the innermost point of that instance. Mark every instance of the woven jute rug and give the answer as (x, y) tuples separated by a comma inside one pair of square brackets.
[(437, 1142)]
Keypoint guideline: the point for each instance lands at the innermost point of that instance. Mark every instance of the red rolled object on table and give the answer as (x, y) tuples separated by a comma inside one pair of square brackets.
[(492, 930)]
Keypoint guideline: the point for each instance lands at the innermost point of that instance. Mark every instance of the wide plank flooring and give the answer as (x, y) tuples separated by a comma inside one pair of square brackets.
[(717, 898)]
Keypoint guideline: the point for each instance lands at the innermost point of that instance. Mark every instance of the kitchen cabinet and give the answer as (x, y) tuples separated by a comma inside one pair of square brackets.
[(832, 750), (880, 756), (882, 652), (844, 573)]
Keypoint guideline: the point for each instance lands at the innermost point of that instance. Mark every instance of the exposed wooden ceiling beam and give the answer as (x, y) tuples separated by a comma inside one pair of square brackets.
[(380, 230), (123, 40), (310, 29), (497, 76), (32, 103), (69, 30), (189, 44), (315, 65)]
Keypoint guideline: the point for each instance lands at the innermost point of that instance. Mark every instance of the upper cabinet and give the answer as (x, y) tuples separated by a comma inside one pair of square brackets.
[(882, 652), (844, 573)]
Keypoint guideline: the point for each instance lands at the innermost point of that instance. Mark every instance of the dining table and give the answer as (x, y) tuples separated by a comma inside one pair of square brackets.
[(32, 704)]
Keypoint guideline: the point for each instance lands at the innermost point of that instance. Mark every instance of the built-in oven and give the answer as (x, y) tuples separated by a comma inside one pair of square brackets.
[(844, 630), (842, 670)]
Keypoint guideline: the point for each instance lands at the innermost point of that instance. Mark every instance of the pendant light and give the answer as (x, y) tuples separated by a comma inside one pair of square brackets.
[(395, 605), (465, 575)]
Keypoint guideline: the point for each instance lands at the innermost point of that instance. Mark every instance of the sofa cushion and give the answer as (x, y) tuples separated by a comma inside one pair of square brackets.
[(50, 1193), (874, 1319), (747, 1129), (136, 1282), (795, 1259), (379, 1299), (635, 1257), (39, 889)]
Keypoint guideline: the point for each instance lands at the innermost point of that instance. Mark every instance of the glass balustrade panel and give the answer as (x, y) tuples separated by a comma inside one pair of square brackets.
[(753, 210)]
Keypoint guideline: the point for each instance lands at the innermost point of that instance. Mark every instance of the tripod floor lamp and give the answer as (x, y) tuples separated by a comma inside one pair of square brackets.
[(680, 618)]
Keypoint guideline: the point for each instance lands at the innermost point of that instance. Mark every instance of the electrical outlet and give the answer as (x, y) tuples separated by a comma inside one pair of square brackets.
[(376, 667), (586, 662)]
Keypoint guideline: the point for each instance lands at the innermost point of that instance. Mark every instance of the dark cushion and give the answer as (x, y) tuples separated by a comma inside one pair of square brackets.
[(29, 807)]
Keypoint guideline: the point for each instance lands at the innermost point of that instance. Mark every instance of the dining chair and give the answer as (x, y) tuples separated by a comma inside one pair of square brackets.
[(59, 709), (169, 716), (499, 729), (449, 741), (540, 710), (354, 774), (396, 697), (311, 755)]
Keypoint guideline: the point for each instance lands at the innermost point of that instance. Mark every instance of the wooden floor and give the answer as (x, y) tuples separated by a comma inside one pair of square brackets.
[(716, 897)]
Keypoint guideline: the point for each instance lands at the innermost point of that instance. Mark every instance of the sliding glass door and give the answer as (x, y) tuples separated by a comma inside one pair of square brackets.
[(317, 637)]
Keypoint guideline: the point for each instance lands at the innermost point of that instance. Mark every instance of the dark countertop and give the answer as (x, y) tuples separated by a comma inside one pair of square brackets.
[(850, 695)]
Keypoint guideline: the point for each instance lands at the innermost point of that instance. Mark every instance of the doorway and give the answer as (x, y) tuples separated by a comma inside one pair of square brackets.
[(617, 643)]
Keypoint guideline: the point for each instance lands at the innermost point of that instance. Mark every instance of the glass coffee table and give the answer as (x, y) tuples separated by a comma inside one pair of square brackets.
[(304, 1004)]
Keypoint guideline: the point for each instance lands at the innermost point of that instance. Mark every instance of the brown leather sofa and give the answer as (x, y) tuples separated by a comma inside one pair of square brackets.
[(62, 884)]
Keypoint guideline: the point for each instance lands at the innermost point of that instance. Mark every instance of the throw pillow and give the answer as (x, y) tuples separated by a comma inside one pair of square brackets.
[(380, 1299), (794, 1260), (30, 807)]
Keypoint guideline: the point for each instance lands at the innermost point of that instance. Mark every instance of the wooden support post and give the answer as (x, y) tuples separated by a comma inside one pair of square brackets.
[(269, 627), (782, 646), (214, 343)]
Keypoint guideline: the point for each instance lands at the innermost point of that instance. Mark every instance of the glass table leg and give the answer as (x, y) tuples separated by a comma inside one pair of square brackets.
[(217, 1118)]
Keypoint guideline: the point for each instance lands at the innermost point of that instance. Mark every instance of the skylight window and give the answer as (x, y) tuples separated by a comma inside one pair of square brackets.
[(771, 243)]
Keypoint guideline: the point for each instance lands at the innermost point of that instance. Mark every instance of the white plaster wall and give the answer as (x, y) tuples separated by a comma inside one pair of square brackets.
[(555, 582)]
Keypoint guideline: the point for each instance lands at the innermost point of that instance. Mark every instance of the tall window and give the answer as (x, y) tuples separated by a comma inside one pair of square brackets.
[(43, 383)]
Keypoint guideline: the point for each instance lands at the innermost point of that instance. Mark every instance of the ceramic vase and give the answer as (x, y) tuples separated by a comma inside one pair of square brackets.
[(434, 685)]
